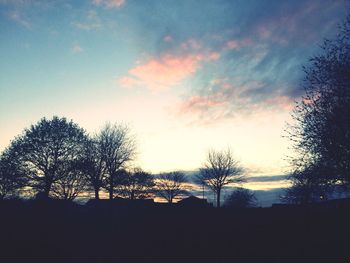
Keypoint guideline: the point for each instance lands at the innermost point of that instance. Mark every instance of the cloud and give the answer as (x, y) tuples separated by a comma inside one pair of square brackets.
[(256, 50), (109, 3), (77, 49), (169, 69), (268, 178), (165, 72), (200, 104), (128, 82), (224, 98)]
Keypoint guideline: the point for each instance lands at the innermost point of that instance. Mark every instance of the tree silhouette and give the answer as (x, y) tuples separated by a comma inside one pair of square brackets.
[(308, 186), (44, 151), (136, 184), (241, 198), (118, 148), (93, 165), (220, 169), (12, 178), (171, 185), (321, 129), (72, 184)]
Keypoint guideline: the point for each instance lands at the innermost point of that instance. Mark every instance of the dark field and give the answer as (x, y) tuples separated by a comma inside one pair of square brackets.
[(63, 232)]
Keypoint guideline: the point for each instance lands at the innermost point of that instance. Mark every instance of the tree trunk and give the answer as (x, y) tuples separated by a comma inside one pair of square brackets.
[(111, 187), (97, 193), (110, 192), (46, 192), (218, 195)]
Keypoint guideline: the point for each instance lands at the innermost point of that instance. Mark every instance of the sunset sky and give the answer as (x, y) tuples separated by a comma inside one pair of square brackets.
[(186, 76)]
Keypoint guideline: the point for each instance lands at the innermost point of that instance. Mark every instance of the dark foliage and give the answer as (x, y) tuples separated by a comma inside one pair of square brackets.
[(321, 131), (12, 178), (136, 184), (171, 186), (46, 151), (241, 198)]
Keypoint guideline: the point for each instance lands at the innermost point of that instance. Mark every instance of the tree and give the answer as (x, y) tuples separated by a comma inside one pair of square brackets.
[(308, 186), (321, 130), (93, 165), (136, 184), (45, 149), (72, 184), (241, 198), (118, 149), (12, 177), (220, 169), (171, 185)]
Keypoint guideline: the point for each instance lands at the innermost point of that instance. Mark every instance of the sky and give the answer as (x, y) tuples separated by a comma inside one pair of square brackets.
[(186, 76)]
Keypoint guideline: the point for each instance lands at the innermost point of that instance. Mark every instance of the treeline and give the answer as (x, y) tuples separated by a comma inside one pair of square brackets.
[(55, 158)]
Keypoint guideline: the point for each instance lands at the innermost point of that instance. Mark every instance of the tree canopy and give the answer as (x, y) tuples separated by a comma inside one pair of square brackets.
[(171, 185), (220, 169), (321, 129), (47, 151)]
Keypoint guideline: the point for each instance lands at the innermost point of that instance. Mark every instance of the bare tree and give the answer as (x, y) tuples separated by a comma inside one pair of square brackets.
[(73, 183), (118, 148), (220, 169), (93, 165), (136, 184), (171, 185)]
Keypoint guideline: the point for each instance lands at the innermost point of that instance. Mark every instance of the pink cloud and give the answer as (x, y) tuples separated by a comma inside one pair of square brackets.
[(281, 102), (198, 104), (161, 73), (109, 3), (169, 70), (128, 82)]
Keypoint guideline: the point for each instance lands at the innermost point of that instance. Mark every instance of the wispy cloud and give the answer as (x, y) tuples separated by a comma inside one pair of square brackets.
[(225, 98), (109, 3)]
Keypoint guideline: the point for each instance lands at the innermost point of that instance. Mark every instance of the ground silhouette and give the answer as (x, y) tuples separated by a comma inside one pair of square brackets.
[(62, 231)]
